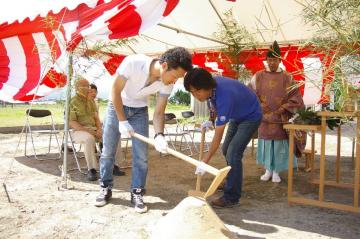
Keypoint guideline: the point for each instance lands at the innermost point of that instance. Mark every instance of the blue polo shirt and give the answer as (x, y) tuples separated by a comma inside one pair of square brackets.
[(235, 101)]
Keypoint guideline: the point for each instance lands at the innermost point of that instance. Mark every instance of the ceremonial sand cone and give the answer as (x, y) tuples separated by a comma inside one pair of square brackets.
[(192, 218)]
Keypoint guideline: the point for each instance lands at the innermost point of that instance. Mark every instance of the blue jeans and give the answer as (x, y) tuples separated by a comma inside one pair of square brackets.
[(139, 119), (237, 138)]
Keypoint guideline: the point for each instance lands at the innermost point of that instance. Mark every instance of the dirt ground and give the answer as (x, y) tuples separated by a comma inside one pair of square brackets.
[(39, 208)]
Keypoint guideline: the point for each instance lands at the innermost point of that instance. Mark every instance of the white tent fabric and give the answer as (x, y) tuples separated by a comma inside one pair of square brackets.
[(267, 20)]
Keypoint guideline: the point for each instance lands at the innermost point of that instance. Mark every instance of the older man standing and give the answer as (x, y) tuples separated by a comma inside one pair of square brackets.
[(85, 121)]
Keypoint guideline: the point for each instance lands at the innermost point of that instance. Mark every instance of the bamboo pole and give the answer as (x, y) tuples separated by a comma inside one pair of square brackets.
[(66, 123)]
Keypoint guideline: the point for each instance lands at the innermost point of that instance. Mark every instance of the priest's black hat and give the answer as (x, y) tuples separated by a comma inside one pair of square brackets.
[(274, 51)]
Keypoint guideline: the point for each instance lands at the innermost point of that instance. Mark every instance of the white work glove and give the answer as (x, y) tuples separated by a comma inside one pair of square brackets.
[(160, 144), (125, 129), (200, 170), (207, 125)]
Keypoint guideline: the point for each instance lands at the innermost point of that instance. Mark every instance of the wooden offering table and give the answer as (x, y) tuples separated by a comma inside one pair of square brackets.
[(322, 128)]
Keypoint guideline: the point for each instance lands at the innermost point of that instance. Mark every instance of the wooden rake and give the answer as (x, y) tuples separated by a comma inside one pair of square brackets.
[(219, 174)]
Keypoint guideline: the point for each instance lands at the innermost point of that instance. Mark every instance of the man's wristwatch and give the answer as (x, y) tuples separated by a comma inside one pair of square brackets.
[(157, 134)]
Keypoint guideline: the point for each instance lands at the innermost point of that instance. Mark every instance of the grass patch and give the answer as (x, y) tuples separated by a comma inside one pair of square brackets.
[(15, 115)]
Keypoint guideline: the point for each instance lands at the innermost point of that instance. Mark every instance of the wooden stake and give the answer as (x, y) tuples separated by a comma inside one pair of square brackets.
[(201, 152), (6, 192)]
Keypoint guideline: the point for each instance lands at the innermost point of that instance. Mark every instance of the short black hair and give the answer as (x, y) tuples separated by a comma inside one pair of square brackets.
[(93, 86), (199, 78), (177, 57)]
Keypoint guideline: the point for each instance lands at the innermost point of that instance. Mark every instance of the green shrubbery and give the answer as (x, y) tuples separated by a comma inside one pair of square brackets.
[(180, 98)]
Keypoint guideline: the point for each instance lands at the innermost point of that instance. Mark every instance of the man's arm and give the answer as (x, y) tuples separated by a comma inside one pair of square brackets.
[(97, 121), (98, 126), (77, 126), (159, 114), (219, 131), (116, 89)]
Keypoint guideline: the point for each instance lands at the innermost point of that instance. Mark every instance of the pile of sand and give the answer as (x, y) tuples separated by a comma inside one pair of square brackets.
[(191, 218)]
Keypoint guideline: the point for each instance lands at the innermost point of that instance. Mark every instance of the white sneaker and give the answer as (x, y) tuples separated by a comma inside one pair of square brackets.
[(266, 176), (276, 178)]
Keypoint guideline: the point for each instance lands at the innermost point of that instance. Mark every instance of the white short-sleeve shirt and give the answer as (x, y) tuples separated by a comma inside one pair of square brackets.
[(135, 70)]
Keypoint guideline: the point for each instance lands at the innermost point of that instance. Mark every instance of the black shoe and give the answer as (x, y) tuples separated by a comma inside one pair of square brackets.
[(91, 175), (117, 171), (103, 198), (137, 200)]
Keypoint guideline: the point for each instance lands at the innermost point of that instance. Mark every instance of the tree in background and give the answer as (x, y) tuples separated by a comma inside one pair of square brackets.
[(180, 98), (237, 38)]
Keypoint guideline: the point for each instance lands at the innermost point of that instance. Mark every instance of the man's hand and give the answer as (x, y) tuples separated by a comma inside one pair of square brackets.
[(125, 129), (90, 131), (160, 144), (267, 117), (200, 170), (207, 125), (99, 134)]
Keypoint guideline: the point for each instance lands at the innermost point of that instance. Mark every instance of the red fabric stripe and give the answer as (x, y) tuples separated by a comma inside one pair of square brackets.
[(170, 5), (113, 63), (87, 16), (54, 45), (28, 98), (121, 26), (39, 24), (4, 65), (54, 79), (32, 66)]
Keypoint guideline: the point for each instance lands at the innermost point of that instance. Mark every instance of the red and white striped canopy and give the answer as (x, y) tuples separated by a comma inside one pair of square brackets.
[(307, 67), (34, 51)]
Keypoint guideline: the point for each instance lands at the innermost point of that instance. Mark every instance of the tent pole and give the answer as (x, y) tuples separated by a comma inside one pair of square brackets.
[(66, 123), (218, 14), (178, 30)]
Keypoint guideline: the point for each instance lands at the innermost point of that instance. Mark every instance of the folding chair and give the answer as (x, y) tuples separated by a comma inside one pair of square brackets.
[(177, 133), (196, 128), (51, 131), (74, 151)]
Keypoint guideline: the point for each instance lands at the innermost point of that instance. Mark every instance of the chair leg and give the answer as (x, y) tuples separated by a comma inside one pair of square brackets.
[(50, 137), (32, 142), (183, 136), (26, 136), (76, 158), (58, 144)]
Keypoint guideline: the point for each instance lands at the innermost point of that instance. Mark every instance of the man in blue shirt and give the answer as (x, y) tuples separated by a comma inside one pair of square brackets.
[(229, 101)]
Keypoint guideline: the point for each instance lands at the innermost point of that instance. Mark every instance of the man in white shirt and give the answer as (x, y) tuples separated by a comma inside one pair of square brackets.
[(138, 76)]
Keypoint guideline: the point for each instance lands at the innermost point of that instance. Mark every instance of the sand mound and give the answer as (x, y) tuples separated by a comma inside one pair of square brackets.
[(191, 218)]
